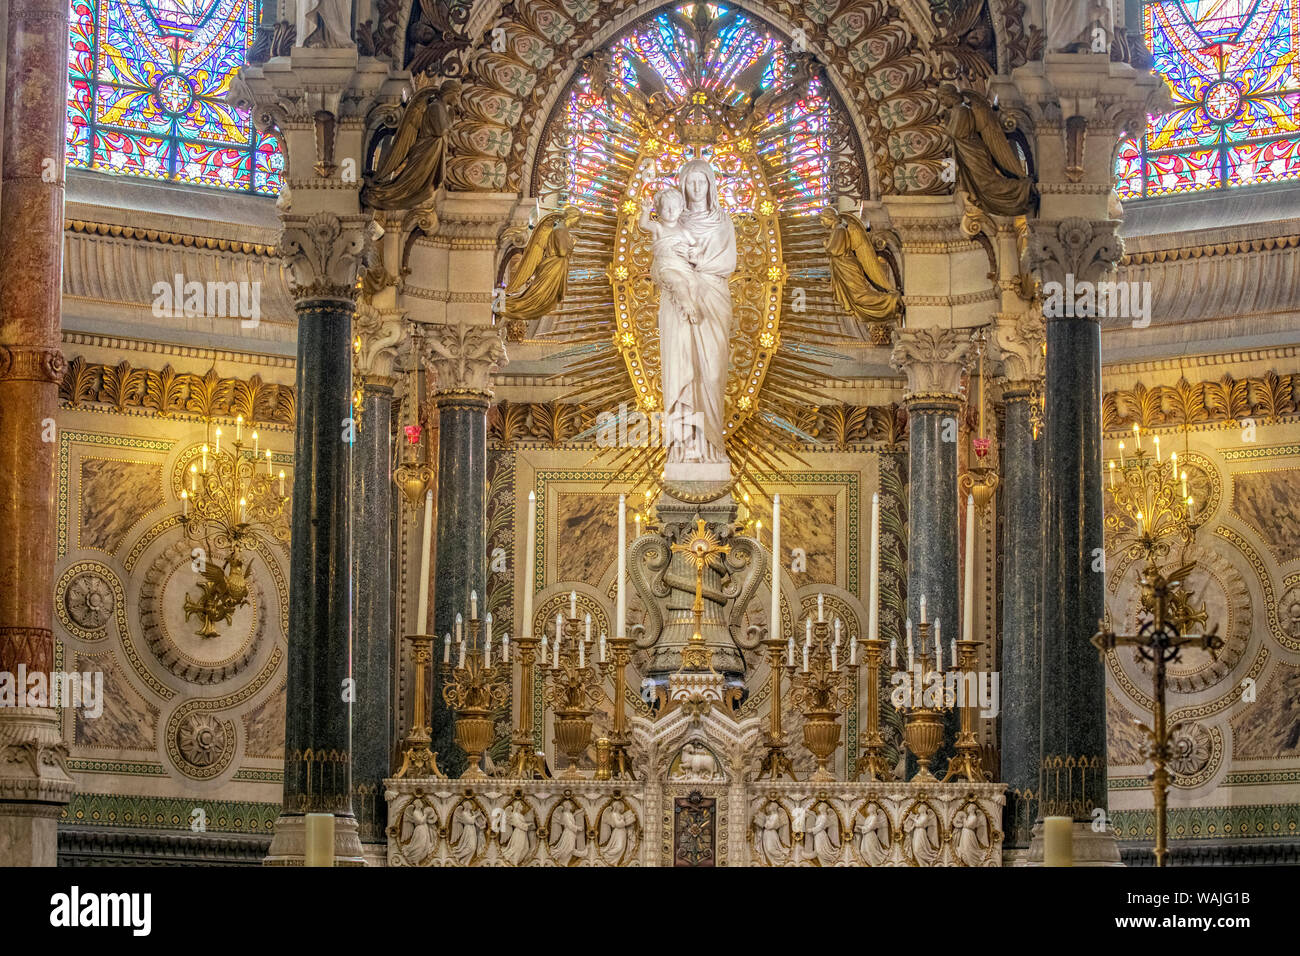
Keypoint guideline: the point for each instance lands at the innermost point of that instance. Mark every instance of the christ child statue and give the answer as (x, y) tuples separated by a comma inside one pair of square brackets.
[(674, 251)]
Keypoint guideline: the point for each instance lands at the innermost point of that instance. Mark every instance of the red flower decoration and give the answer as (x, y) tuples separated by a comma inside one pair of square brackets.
[(413, 434)]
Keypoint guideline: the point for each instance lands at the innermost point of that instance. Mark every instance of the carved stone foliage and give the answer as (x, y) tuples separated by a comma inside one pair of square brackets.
[(1266, 397), (378, 37), (965, 47), (435, 37), (1022, 41), (325, 255), (166, 392), (463, 356), (1086, 249), (841, 425), (1018, 341), (547, 423), (934, 360), (381, 333)]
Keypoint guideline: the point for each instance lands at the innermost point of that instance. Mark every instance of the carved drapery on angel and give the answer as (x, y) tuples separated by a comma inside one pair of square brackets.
[(570, 836), (921, 829), (541, 278), (466, 833), (329, 23), (616, 832), (988, 167), (424, 823), (970, 835), (874, 838), (825, 833), (769, 827), (861, 282), (1079, 26), (413, 165), (516, 833)]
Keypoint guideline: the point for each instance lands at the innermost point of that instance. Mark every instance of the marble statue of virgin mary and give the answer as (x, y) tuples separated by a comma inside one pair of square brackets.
[(695, 328)]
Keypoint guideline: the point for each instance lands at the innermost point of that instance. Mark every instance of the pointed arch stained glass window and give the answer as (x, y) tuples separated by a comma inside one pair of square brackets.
[(1232, 68), (146, 81)]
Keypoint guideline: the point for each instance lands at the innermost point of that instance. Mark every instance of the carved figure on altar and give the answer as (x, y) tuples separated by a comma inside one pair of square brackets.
[(861, 282), (411, 168), (971, 835), (825, 834), (694, 251), (1073, 25), (466, 833), (696, 763), (922, 830), (873, 835), (333, 19), (988, 167), (769, 823), (516, 833), (419, 845), (616, 832), (565, 848)]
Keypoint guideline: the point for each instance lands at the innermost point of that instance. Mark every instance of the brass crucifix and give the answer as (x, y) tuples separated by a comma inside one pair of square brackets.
[(701, 549), (1159, 641)]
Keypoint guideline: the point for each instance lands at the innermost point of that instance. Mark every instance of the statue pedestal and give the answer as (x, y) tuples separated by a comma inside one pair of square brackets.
[(679, 473)]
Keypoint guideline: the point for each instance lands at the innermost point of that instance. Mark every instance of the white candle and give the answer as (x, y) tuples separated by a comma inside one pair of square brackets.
[(774, 615), (938, 657), (555, 651), (573, 604), (487, 627), (873, 607), (922, 608), (790, 650), (319, 847), (587, 630), (460, 628), (582, 654), (808, 629), (968, 593), (602, 647), (422, 614), (185, 503), (239, 426), (281, 483), (243, 510), (487, 652), (909, 643), (952, 646), (268, 463), (620, 608), (255, 451), (853, 649), (835, 656), (838, 625), (544, 645), (807, 647), (936, 635), (473, 605), (446, 648), (821, 608), (528, 565), (505, 648), (893, 653), (461, 662), (205, 459), (218, 449)]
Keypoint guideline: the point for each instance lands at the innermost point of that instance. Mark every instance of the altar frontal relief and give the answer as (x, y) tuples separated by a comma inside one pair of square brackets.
[(695, 146)]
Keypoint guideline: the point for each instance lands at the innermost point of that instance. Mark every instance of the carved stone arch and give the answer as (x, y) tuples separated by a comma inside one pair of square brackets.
[(766, 13)]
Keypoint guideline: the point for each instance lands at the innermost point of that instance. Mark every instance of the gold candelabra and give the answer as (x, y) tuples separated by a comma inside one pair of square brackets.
[(1159, 641), (1151, 506), (526, 762), (230, 503), (872, 761), (573, 688), (620, 757), (821, 689), (474, 688), (922, 721), (417, 759)]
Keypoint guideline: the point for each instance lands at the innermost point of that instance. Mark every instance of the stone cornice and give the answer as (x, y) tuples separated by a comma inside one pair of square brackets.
[(119, 344), (110, 230), (1211, 250)]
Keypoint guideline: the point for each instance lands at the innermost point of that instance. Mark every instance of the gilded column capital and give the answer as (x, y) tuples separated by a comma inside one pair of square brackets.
[(326, 254), (933, 359), (463, 356)]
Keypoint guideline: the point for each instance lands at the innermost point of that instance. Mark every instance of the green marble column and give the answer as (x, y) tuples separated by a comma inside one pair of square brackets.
[(1020, 497), (461, 537), (372, 571)]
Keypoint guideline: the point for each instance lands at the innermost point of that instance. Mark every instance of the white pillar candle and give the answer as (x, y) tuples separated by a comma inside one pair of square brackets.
[(774, 614), (893, 653), (555, 652), (1058, 841), (446, 648), (807, 648), (602, 647), (544, 645), (487, 652), (922, 608), (422, 612), (319, 846), (620, 608), (239, 426), (808, 629), (256, 451), (821, 607), (461, 661), (873, 607), (853, 649), (528, 564), (460, 628), (952, 647), (838, 625), (582, 654), (936, 636), (473, 605), (968, 591), (790, 650), (505, 648), (559, 627), (573, 604), (938, 657), (205, 459), (218, 448), (487, 627), (909, 643), (587, 629)]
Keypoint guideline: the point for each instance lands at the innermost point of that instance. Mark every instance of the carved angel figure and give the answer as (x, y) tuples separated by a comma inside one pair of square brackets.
[(861, 282), (825, 834), (873, 835), (616, 833), (541, 278), (922, 829), (988, 167), (972, 835), (1071, 25), (412, 166), (419, 845), (516, 834), (768, 845), (565, 849), (333, 19), (466, 833)]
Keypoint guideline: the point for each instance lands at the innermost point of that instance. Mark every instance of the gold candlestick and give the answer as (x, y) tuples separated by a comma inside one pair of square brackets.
[(966, 763), (474, 690), (872, 761), (922, 724), (417, 759), (526, 762), (573, 690), (776, 763), (620, 740)]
